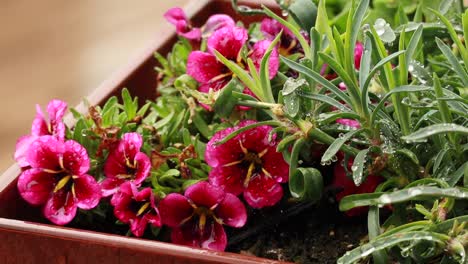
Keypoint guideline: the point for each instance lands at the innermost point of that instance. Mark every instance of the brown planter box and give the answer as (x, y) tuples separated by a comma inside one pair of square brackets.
[(26, 238)]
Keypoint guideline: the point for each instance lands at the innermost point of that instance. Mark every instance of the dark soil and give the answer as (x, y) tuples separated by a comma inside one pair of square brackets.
[(306, 235)]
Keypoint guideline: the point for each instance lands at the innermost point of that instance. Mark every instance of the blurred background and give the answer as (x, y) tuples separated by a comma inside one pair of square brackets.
[(64, 49)]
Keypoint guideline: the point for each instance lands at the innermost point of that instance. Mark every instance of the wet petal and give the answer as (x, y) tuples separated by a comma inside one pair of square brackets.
[(228, 41), (349, 122), (219, 155), (255, 139), (271, 28), (232, 211), (44, 153), (60, 209), (122, 211), (213, 236), (130, 144), (205, 194), (22, 147), (275, 165), (109, 186), (263, 191), (36, 186), (216, 22), (203, 66), (56, 109), (258, 51), (143, 195), (115, 165), (75, 158), (39, 124), (230, 178), (174, 209), (138, 226), (88, 192), (143, 165)]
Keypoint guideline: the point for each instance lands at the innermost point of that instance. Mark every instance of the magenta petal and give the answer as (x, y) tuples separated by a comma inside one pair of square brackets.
[(205, 194), (153, 218), (218, 155), (174, 15), (109, 186), (216, 239), (174, 209), (256, 139), (194, 34), (22, 147), (35, 186), (203, 66), (138, 226), (349, 122), (39, 125), (87, 190), (60, 209), (228, 41), (44, 153), (121, 202), (259, 50), (143, 164), (143, 195), (130, 144), (213, 236), (216, 22), (56, 109), (75, 158), (115, 165), (232, 211), (263, 191), (274, 163), (229, 178)]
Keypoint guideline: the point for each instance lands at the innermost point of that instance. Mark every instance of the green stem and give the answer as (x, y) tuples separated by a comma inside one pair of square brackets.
[(319, 135)]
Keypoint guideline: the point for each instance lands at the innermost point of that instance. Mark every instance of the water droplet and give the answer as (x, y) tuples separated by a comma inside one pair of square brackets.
[(385, 199), (284, 13), (354, 168)]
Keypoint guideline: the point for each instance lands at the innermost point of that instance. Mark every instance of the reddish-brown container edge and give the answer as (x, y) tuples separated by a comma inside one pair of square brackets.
[(32, 242)]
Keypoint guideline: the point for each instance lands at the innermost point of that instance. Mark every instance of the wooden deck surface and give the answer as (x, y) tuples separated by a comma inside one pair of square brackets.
[(64, 49)]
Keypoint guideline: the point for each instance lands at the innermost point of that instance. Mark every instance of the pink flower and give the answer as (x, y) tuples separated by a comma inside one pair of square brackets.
[(135, 208), (228, 40), (56, 110), (177, 17), (125, 163), (271, 28), (248, 164), (58, 179), (347, 187), (198, 216), (349, 123), (358, 49)]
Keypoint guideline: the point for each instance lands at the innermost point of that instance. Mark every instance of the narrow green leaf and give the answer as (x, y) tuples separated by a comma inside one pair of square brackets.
[(400, 89), (304, 12), (352, 31), (324, 99), (264, 70), (323, 27), (456, 66), (359, 167), (337, 144), (225, 102), (318, 78), (424, 133), (242, 129), (387, 242), (413, 44), (128, 104), (413, 193)]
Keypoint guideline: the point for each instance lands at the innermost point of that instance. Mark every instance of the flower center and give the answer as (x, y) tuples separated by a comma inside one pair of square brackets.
[(140, 208), (130, 170)]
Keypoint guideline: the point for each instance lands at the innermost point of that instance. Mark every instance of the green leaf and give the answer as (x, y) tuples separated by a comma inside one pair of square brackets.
[(318, 78), (323, 27), (456, 66), (264, 70), (389, 241), (306, 184), (359, 167), (304, 12), (245, 128), (337, 144), (324, 99), (294, 29), (400, 89), (225, 102), (129, 105), (373, 227), (423, 133), (241, 74), (413, 193), (352, 31)]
